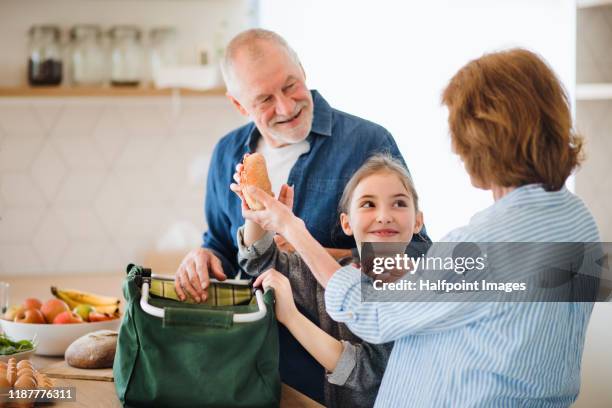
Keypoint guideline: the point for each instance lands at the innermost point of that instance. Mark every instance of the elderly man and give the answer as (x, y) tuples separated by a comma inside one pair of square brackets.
[(306, 143)]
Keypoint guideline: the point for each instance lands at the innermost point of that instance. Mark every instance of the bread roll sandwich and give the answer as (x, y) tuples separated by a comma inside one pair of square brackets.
[(254, 173)]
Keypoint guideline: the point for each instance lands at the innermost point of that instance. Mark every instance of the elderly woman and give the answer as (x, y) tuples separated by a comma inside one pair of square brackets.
[(510, 123)]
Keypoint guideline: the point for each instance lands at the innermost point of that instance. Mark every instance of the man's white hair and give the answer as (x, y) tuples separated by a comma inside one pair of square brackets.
[(250, 40)]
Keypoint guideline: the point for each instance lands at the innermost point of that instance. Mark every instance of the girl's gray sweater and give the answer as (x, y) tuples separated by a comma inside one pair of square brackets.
[(356, 378)]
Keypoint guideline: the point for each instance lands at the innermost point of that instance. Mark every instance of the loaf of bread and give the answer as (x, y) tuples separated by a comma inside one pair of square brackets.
[(254, 173), (93, 350)]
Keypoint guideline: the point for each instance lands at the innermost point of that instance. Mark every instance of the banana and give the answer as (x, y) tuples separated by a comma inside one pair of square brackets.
[(89, 298), (110, 309), (62, 296), (74, 298)]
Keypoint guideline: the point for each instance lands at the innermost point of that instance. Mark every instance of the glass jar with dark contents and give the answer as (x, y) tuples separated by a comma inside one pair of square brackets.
[(45, 58), (127, 56)]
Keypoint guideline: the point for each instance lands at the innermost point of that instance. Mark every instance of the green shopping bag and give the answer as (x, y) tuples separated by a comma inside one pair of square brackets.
[(196, 355)]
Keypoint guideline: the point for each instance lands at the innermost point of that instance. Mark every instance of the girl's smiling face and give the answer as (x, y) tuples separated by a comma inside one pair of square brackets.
[(381, 210)]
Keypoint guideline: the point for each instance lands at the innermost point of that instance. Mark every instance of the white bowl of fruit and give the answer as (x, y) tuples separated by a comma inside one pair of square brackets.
[(56, 323)]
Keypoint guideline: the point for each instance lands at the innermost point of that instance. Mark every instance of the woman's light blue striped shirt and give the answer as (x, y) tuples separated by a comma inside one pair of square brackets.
[(481, 354)]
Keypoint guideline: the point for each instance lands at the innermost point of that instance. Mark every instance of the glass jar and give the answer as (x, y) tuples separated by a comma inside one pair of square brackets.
[(89, 65), (45, 58), (163, 49), (126, 56)]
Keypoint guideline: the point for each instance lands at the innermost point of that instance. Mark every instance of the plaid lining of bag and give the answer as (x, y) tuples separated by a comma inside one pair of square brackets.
[(219, 294)]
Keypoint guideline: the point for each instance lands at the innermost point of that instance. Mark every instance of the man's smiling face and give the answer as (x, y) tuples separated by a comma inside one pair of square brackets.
[(273, 92)]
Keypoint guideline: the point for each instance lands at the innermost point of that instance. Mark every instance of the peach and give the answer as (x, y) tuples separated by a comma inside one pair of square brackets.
[(32, 303), (67, 317), (30, 316), (52, 308)]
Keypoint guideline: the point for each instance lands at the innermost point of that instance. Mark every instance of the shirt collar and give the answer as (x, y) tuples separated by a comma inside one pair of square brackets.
[(532, 195), (321, 121)]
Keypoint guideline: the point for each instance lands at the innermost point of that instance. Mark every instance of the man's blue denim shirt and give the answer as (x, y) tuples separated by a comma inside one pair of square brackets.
[(339, 144)]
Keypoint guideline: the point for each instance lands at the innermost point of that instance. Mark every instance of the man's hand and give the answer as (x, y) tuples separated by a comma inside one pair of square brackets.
[(236, 187), (192, 275), (285, 196)]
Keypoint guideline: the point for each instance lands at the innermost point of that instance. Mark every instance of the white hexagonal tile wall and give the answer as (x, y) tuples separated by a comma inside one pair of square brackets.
[(81, 224), (139, 152), (80, 188), (18, 151), (20, 259), (143, 223), (110, 135), (48, 171), (170, 169), (139, 187), (17, 225), (145, 119), (80, 152), (82, 257), (89, 185), (178, 234), (19, 190), (16, 118), (47, 112), (112, 259), (50, 240), (111, 205), (77, 118)]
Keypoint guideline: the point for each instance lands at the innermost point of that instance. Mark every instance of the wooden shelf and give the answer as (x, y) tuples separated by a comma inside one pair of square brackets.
[(65, 91), (592, 3), (587, 92)]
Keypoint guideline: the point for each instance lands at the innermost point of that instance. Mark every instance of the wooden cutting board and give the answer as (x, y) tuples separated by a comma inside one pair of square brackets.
[(61, 369)]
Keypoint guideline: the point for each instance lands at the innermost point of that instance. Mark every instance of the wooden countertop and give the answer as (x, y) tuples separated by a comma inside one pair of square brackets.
[(89, 393), (95, 393)]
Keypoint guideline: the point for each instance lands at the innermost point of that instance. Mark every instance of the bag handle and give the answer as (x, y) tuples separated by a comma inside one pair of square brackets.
[(212, 315)]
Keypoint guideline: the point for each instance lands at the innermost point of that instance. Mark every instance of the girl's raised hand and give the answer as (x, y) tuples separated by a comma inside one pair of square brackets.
[(284, 305)]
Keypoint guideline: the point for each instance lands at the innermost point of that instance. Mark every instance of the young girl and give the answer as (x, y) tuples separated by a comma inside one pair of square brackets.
[(378, 204)]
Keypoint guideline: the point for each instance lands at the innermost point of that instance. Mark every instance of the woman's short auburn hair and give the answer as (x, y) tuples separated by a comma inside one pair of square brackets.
[(510, 121)]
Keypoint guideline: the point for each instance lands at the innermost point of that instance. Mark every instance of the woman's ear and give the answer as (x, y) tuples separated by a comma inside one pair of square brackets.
[(345, 224), (418, 222)]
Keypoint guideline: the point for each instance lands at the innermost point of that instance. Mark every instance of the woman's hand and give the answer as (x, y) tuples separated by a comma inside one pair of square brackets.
[(276, 215), (285, 306)]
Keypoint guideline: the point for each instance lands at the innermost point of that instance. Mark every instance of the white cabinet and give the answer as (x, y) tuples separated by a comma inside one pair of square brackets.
[(593, 181), (594, 110)]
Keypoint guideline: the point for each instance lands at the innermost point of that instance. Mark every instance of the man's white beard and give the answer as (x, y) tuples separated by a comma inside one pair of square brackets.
[(279, 137), (282, 138)]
